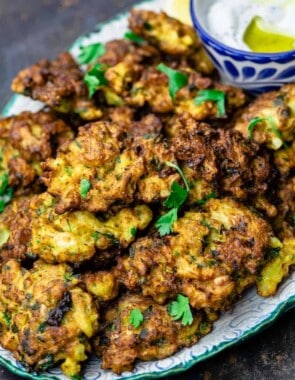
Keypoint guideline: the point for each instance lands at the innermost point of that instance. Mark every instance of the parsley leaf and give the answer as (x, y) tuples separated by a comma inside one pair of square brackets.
[(214, 96), (134, 37), (133, 231), (176, 198), (136, 318), (6, 192), (165, 222), (268, 119), (207, 197), (176, 79), (95, 78), (180, 309), (293, 220), (85, 186), (90, 53)]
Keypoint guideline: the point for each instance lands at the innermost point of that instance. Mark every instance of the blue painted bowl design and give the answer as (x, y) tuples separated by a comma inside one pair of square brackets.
[(256, 72)]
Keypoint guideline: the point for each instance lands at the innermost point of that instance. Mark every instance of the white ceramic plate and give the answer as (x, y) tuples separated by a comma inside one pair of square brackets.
[(246, 318)]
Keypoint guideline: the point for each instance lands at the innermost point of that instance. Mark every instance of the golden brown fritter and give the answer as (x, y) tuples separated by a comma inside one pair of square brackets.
[(273, 272), (103, 285), (45, 318), (26, 140), (220, 160), (59, 84), (166, 33), (74, 237), (157, 337), (277, 111), (15, 232), (284, 223), (284, 160), (211, 264), (115, 174), (152, 89)]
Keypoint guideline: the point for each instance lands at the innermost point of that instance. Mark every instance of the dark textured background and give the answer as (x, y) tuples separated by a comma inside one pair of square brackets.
[(33, 29)]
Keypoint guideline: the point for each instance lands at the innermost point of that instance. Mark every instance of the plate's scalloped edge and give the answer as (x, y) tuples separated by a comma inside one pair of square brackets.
[(279, 310), (179, 368)]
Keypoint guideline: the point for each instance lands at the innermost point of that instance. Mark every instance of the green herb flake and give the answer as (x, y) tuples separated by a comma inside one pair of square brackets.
[(133, 231), (76, 377), (95, 235), (7, 318), (134, 37), (201, 202), (68, 277), (180, 309), (85, 186), (42, 327), (176, 79), (95, 78), (293, 220), (136, 318), (90, 53), (214, 96), (6, 192)]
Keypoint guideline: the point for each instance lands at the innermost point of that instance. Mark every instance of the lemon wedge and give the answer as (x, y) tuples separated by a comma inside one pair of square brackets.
[(263, 38), (180, 10)]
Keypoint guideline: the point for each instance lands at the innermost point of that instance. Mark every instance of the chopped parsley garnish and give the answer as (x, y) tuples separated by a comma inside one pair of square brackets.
[(95, 78), (213, 96), (107, 235), (85, 186), (176, 79), (180, 309), (68, 277), (293, 220), (134, 37), (90, 53), (6, 192), (133, 231), (7, 318), (207, 197), (178, 195), (270, 121), (136, 318)]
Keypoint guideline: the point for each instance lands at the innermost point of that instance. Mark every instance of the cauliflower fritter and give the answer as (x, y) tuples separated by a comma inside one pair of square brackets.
[(26, 140), (103, 285), (166, 33), (284, 160), (221, 161), (74, 237), (116, 174), (15, 230), (59, 84), (157, 337), (45, 318), (275, 113), (211, 265), (273, 272)]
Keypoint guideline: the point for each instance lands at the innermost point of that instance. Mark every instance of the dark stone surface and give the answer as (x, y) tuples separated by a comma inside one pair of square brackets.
[(33, 29)]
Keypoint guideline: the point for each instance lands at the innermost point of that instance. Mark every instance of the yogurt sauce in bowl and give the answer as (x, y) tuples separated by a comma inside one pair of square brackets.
[(270, 21)]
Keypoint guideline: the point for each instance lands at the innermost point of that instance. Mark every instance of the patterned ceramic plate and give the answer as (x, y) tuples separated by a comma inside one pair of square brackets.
[(247, 317)]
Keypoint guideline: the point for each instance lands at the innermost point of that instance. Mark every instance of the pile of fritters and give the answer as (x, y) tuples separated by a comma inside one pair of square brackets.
[(85, 181)]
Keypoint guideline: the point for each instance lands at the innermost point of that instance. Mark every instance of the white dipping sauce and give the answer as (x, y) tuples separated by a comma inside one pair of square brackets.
[(227, 20)]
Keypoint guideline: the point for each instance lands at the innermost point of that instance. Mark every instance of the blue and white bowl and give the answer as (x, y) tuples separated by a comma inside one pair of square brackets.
[(255, 72)]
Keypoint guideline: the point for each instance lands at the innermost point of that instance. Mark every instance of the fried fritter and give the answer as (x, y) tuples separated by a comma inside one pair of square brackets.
[(273, 272), (103, 285), (275, 114), (284, 159), (157, 337), (74, 237), (26, 140), (221, 161), (113, 171), (45, 318), (211, 265), (59, 84), (15, 232), (166, 33), (152, 89)]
